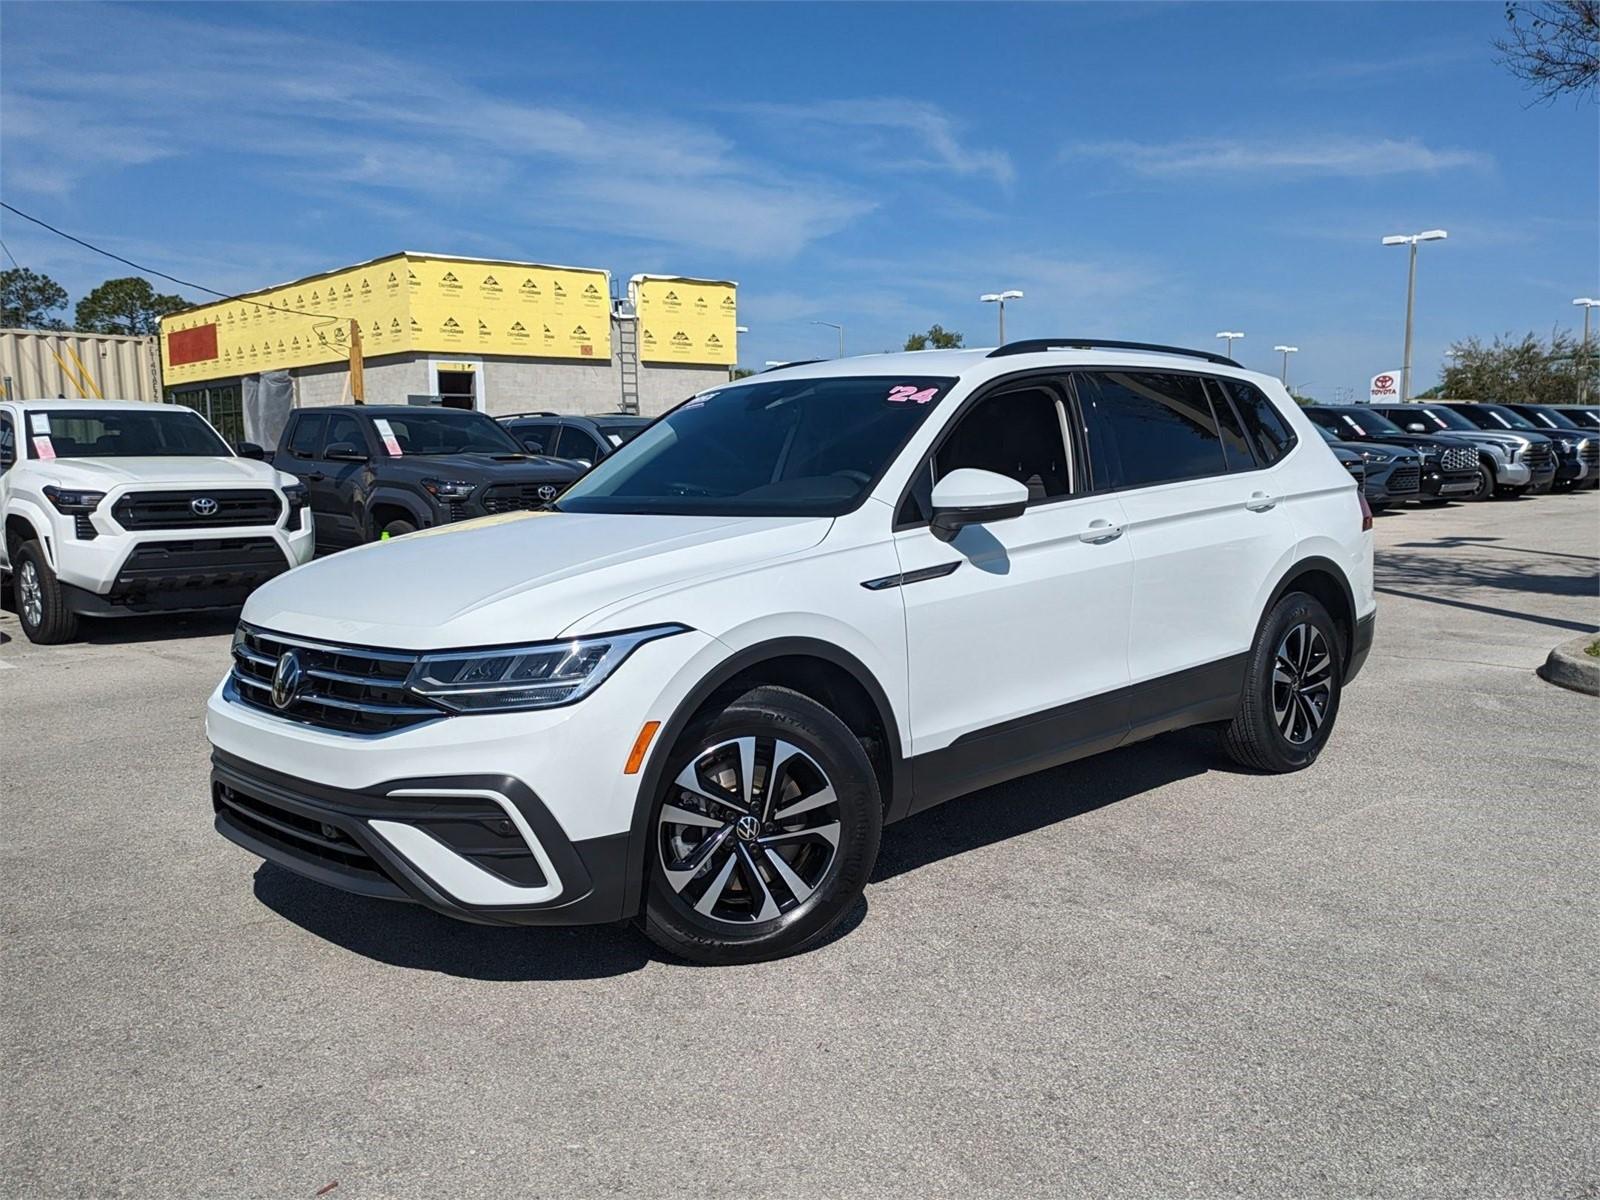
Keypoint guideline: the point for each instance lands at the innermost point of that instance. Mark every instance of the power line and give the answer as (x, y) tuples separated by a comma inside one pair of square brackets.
[(143, 270)]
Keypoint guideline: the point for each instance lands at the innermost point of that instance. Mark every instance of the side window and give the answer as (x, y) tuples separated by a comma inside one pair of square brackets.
[(1235, 445), (536, 436), (575, 443), (1271, 433), (8, 443), (342, 427), (1020, 433), (306, 440), (1147, 427)]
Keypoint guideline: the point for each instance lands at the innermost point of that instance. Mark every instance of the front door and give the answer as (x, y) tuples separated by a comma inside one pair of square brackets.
[(1017, 631)]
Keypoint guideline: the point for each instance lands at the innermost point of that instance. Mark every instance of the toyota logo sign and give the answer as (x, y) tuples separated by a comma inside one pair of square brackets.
[(1384, 387), (204, 506)]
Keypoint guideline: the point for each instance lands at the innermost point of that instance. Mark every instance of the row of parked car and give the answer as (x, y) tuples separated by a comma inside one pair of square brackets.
[(102, 500), (1434, 452)]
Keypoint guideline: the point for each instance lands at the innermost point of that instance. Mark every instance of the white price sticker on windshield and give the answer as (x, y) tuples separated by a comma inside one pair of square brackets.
[(40, 423), (386, 432)]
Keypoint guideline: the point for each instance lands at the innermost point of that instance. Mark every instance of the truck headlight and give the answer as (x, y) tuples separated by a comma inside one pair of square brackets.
[(513, 678), (449, 489), (71, 501), (298, 496), (1376, 456)]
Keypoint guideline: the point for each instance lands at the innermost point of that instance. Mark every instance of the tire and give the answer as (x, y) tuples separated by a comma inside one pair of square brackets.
[(396, 528), (1271, 730), (41, 601), (729, 882), (1485, 487), (1511, 493)]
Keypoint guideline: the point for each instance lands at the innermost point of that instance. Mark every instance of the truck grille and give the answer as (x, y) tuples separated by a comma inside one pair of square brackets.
[(347, 688), (1538, 457), (1589, 451), (1457, 459), (1404, 478), (178, 510), (519, 497)]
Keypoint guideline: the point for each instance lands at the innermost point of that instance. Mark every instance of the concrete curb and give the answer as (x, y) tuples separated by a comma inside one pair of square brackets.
[(1569, 666)]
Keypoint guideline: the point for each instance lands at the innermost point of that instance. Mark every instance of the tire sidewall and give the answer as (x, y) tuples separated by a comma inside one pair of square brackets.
[(818, 733)]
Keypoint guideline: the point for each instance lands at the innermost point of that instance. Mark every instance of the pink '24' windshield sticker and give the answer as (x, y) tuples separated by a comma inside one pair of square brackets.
[(909, 393)]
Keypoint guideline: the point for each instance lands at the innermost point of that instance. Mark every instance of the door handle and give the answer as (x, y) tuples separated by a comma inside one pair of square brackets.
[(1100, 531), (316, 477), (1261, 502)]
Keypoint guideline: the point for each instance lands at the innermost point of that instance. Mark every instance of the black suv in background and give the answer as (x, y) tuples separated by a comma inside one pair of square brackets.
[(1544, 458), (581, 439), (1389, 474), (1559, 425), (1449, 471), (391, 469)]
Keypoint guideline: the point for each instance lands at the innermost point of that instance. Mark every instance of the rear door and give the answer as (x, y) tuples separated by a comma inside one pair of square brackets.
[(575, 443), (538, 436), (1017, 630), (1208, 527)]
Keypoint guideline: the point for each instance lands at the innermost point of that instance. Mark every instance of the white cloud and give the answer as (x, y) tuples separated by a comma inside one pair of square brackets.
[(1323, 156)]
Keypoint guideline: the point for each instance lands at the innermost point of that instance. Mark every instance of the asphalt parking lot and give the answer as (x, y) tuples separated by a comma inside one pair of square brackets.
[(1143, 975)]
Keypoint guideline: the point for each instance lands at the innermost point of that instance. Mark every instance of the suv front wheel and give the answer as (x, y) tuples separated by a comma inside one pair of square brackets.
[(764, 833), (1291, 688)]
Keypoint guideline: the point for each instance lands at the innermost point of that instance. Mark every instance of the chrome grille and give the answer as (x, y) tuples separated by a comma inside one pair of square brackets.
[(1589, 451), (176, 510), (351, 689), (1457, 459), (1538, 456), (519, 497)]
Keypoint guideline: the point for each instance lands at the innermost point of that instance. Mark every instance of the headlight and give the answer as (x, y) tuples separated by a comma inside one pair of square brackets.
[(513, 678), (449, 489), (298, 496), (1376, 456), (70, 500)]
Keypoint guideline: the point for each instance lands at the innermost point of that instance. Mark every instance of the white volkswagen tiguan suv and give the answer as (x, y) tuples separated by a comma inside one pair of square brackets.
[(794, 609)]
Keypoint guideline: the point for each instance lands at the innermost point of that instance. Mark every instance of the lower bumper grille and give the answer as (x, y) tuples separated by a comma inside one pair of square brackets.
[(1404, 480), (198, 565)]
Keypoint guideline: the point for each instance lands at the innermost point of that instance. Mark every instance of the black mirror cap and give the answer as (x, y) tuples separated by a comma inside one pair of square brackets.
[(345, 452), (251, 450), (947, 522)]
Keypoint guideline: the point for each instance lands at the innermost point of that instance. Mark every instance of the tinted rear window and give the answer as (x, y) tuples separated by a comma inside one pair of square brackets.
[(1148, 427)]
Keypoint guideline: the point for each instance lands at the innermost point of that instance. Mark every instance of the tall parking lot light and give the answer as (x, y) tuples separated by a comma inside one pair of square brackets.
[(1000, 298), (1230, 336), (1286, 351), (840, 328), (1411, 239), (1583, 349)]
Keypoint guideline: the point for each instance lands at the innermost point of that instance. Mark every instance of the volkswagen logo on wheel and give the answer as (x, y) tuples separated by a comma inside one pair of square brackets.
[(204, 506), (287, 680), (547, 491), (748, 828)]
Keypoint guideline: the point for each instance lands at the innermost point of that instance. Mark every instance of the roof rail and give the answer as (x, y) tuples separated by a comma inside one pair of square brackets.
[(1032, 345), (535, 413), (799, 362)]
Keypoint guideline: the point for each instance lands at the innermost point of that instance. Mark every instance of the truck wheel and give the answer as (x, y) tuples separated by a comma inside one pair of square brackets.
[(1485, 487), (41, 603), (1511, 493), (763, 833), (396, 528)]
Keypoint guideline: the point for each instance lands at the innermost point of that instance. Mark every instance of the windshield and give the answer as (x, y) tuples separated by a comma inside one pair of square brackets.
[(1586, 417), (1446, 418), (1356, 426), (1551, 418), (1328, 435), (449, 431), (793, 447), (1508, 419), (169, 432)]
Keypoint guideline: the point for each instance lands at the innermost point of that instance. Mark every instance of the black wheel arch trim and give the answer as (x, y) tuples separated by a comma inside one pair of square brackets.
[(1306, 566), (398, 497), (650, 779)]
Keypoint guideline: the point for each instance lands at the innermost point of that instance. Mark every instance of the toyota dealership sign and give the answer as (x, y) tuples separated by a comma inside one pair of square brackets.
[(1385, 386)]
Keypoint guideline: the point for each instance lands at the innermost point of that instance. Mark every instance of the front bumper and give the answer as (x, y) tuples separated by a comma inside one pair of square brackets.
[(1436, 483), (480, 848)]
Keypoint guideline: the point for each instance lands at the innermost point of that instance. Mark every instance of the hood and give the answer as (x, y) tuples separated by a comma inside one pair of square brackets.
[(517, 577), (1359, 449), (495, 468), (1484, 437), (105, 473)]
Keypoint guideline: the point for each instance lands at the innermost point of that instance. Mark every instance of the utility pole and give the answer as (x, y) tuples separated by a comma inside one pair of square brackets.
[(1411, 239), (840, 328), (1583, 349), (358, 383)]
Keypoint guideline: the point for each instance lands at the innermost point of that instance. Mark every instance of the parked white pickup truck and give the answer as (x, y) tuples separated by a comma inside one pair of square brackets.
[(114, 507)]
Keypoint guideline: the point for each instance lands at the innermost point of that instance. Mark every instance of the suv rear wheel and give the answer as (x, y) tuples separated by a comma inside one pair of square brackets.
[(1291, 688), (41, 603), (764, 834)]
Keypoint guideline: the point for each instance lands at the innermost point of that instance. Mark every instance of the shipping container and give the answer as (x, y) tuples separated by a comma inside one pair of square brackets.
[(42, 364)]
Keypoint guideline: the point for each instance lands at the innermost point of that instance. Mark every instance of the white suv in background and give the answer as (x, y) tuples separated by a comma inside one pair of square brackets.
[(794, 609), (114, 507)]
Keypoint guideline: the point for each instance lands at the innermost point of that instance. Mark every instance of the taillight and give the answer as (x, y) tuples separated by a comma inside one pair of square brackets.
[(1366, 510)]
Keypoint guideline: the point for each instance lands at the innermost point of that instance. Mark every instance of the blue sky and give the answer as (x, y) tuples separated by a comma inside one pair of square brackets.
[(1154, 172)]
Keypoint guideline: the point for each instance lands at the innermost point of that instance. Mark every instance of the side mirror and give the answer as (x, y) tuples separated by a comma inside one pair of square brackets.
[(251, 450), (345, 452), (583, 462), (968, 496), (1415, 427)]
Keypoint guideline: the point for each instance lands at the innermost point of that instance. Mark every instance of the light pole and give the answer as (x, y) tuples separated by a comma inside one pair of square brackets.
[(1230, 337), (840, 328), (1583, 349), (1286, 351), (1411, 239), (1000, 298)]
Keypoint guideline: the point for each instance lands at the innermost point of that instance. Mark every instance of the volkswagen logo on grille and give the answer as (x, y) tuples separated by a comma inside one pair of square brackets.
[(204, 506), (547, 491), (287, 680)]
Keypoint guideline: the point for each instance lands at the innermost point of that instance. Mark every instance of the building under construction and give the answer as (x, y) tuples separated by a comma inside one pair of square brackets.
[(493, 335)]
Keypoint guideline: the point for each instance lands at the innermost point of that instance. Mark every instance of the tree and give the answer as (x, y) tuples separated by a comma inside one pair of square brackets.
[(27, 299), (128, 305), (1553, 46), (741, 373), (1524, 370), (937, 338)]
